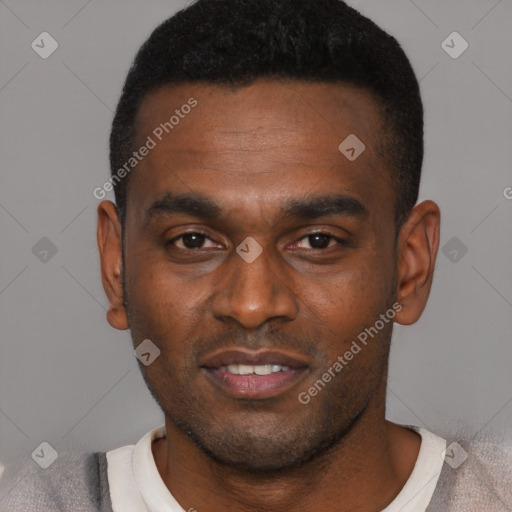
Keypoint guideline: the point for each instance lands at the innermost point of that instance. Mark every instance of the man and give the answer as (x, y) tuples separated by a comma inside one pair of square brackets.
[(266, 160)]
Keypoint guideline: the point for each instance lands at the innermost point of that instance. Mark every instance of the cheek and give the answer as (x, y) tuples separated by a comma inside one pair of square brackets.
[(357, 289), (343, 305), (155, 304), (166, 309)]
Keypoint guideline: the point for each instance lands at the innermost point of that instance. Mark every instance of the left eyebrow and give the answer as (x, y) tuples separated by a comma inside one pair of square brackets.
[(310, 208)]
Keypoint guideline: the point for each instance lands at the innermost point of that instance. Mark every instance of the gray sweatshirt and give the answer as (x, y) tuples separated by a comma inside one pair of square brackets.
[(79, 483)]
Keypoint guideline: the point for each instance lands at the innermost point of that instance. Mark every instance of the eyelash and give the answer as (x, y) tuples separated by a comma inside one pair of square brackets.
[(341, 241)]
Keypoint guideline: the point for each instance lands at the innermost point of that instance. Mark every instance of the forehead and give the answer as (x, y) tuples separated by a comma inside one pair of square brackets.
[(260, 143)]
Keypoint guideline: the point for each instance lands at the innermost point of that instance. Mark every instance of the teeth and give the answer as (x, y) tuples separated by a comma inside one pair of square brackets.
[(245, 369), (260, 369), (263, 369)]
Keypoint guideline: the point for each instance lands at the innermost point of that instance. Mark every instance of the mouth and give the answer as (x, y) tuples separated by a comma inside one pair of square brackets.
[(246, 374)]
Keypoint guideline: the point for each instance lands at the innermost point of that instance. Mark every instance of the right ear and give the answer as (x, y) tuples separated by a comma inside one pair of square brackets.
[(109, 237)]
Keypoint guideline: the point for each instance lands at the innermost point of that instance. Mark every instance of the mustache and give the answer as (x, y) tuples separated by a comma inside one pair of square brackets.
[(266, 337)]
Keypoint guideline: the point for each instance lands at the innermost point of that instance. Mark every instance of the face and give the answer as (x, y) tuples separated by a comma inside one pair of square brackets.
[(252, 240)]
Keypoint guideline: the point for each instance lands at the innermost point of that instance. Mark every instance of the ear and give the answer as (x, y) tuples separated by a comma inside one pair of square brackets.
[(109, 245), (417, 246)]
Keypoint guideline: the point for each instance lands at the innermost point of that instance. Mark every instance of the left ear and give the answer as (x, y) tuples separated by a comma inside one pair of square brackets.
[(417, 246)]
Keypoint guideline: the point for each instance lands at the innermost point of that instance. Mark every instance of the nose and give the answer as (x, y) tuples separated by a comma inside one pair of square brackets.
[(253, 293)]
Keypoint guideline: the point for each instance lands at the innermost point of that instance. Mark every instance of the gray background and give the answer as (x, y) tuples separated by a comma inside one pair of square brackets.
[(68, 378)]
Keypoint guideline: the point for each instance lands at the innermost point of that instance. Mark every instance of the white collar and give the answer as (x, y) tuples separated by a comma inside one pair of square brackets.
[(136, 485)]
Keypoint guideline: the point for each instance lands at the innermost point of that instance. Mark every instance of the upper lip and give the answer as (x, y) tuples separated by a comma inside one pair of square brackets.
[(252, 358)]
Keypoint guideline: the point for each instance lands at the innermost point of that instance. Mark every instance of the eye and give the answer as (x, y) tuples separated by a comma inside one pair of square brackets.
[(195, 240), (192, 240), (318, 241)]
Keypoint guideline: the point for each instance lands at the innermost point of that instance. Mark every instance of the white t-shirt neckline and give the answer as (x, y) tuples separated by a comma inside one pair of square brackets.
[(417, 492), (136, 486)]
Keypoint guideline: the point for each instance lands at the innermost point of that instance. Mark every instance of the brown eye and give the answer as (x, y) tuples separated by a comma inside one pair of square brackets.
[(191, 241), (318, 241)]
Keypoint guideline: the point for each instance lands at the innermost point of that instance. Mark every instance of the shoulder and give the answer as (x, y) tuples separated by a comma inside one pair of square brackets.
[(476, 475), (73, 482)]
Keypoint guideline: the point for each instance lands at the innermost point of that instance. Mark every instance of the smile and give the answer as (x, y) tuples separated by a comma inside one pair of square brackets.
[(241, 373), (260, 369)]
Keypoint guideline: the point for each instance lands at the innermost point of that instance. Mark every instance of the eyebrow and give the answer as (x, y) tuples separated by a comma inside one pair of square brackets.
[(306, 208), (324, 206)]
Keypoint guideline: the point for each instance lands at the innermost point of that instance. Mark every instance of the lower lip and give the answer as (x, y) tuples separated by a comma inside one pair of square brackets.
[(255, 386)]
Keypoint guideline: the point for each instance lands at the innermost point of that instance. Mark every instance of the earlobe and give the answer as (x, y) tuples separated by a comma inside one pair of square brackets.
[(109, 236), (417, 247), (117, 317)]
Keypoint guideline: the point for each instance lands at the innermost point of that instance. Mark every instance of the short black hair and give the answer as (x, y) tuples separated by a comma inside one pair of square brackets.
[(235, 42)]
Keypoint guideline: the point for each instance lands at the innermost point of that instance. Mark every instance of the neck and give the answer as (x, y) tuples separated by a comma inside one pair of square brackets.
[(365, 471)]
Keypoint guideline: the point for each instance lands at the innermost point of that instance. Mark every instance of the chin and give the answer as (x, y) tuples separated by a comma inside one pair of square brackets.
[(264, 452)]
